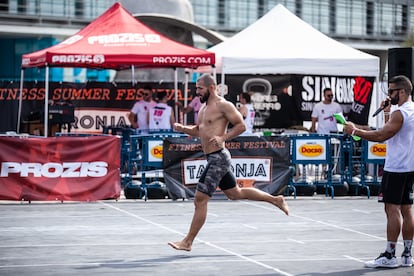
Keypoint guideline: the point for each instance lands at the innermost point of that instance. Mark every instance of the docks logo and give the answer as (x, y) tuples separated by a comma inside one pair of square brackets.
[(378, 150), (157, 151), (55, 170), (311, 150)]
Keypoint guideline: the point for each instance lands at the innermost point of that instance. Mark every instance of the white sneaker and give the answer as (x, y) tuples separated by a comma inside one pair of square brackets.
[(406, 260), (384, 260)]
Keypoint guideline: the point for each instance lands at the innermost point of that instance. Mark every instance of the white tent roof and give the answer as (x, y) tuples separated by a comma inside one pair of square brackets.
[(282, 43)]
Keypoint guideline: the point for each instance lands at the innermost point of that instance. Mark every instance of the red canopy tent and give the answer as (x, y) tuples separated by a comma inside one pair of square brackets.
[(114, 40)]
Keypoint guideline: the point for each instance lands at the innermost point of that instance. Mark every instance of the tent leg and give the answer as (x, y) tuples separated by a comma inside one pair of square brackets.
[(186, 95), (20, 101), (133, 75), (176, 92), (222, 83), (46, 115)]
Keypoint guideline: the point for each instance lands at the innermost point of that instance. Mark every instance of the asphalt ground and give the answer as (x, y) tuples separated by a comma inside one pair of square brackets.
[(322, 236)]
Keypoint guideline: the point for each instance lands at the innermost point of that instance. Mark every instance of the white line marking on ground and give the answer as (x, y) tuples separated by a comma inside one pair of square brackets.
[(248, 259), (354, 259), (249, 226), (361, 211), (197, 239), (320, 222), (89, 264), (297, 241), (213, 214)]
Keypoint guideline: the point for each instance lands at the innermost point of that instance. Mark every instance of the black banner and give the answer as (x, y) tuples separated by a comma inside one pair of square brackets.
[(280, 101), (272, 99), (96, 104), (284, 101), (352, 93), (261, 162)]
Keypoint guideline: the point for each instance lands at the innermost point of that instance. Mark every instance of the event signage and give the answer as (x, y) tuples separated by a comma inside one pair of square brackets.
[(60, 168), (376, 150), (310, 149), (181, 60), (262, 162), (283, 101), (80, 59), (54, 169), (352, 93), (155, 150), (96, 104), (254, 169), (280, 101), (121, 39)]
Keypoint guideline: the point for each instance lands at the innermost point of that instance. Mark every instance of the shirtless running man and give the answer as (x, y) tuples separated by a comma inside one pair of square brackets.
[(213, 120)]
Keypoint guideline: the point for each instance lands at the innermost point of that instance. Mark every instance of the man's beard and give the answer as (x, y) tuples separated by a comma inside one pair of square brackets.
[(395, 100), (204, 98)]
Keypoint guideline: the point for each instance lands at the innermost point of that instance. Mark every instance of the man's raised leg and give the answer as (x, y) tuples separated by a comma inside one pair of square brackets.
[(257, 195)]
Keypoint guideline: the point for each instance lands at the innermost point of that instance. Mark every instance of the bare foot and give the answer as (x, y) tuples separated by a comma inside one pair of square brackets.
[(280, 202), (179, 246)]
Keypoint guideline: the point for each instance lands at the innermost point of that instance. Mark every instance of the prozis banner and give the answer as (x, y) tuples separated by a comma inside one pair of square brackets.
[(60, 168), (261, 162)]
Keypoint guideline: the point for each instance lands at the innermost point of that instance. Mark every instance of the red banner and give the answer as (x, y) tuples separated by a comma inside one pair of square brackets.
[(60, 168)]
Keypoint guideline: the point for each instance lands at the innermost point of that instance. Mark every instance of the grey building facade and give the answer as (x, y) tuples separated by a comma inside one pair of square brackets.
[(373, 26)]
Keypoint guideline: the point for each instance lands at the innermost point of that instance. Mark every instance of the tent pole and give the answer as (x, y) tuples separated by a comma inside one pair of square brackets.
[(46, 115), (186, 95), (377, 99), (222, 79), (176, 92), (19, 113), (133, 74)]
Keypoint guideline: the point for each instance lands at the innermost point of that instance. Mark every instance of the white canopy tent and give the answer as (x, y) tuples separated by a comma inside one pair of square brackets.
[(282, 43)]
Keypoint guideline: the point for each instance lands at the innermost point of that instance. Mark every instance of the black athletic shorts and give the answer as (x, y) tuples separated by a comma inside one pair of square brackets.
[(396, 188), (217, 173)]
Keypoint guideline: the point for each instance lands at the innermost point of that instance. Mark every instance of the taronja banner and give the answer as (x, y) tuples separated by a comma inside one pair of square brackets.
[(261, 162)]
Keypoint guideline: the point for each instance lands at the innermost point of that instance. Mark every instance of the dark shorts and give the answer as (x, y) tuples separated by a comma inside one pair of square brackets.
[(396, 188), (217, 173)]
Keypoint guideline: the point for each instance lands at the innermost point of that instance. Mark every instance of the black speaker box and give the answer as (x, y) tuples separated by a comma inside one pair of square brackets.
[(133, 190), (401, 62)]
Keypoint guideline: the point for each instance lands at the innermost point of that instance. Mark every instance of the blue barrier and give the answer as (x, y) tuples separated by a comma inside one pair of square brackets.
[(145, 155), (311, 149), (345, 162), (322, 163), (373, 153)]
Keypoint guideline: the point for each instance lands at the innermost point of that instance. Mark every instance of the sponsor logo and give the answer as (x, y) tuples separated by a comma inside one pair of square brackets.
[(311, 150), (72, 39), (55, 170), (378, 149), (25, 61), (84, 59), (157, 151), (181, 60), (124, 38), (247, 169)]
